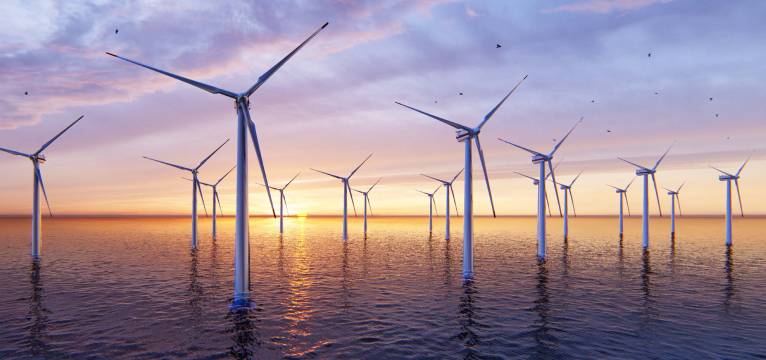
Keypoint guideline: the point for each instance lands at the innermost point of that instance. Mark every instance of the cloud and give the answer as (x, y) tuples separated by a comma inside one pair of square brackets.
[(605, 6)]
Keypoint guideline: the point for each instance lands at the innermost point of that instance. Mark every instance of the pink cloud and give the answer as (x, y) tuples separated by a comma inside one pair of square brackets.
[(605, 6)]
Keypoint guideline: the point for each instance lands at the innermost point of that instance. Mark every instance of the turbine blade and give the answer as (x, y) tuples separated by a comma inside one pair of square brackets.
[(739, 197), (211, 155), (217, 198), (291, 181), (492, 112), (450, 123), (202, 197), (254, 137), (435, 209), (548, 202), (351, 193), (456, 175), (555, 148), (575, 179), (454, 199), (743, 166), (659, 207), (284, 200), (526, 176), (328, 174), (680, 187), (721, 171), (422, 192), (571, 197), (486, 177), (630, 183), (662, 157), (360, 165), (520, 147), (45, 194), (14, 152), (433, 178), (613, 187), (437, 189), (169, 164), (554, 169), (262, 79), (209, 88), (57, 135), (555, 188), (627, 203), (632, 163), (225, 175), (373, 185), (678, 199), (369, 204)]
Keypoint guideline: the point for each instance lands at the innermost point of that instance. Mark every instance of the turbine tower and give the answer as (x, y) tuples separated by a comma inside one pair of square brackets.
[(282, 201), (729, 178), (541, 160), (623, 196), (195, 187), (244, 123), (367, 203), (449, 190), (431, 208), (568, 191), (646, 172), (536, 182), (38, 158), (216, 198), (673, 197), (467, 135), (346, 193)]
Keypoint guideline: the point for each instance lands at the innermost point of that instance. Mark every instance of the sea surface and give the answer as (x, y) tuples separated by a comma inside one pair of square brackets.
[(132, 288)]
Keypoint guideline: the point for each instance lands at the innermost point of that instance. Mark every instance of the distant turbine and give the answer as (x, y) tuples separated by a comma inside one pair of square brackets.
[(542, 159), (37, 183), (367, 203), (728, 178), (244, 123), (623, 195), (536, 182), (673, 197), (431, 208), (282, 202), (216, 198), (646, 172), (449, 190), (346, 193), (568, 191), (195, 187), (466, 135)]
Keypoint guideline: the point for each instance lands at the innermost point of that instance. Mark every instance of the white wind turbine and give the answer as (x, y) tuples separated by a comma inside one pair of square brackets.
[(536, 182), (449, 190), (282, 202), (646, 172), (244, 123), (38, 158), (623, 196), (216, 198), (367, 203), (431, 208), (541, 159), (728, 178), (568, 191), (673, 197), (467, 135), (195, 187), (346, 193)]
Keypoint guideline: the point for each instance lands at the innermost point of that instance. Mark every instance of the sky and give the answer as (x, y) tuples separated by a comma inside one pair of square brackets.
[(333, 103)]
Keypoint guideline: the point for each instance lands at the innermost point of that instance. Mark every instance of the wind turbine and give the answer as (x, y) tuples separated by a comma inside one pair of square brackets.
[(568, 191), (646, 172), (431, 208), (466, 135), (623, 195), (195, 187), (38, 158), (244, 123), (447, 189), (541, 159), (728, 178), (216, 198), (673, 197), (536, 182), (367, 203), (282, 201), (346, 193)]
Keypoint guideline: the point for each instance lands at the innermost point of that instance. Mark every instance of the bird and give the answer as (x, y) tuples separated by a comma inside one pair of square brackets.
[(26, 93), (711, 99), (656, 93), (649, 55), (497, 46), (716, 115), (728, 138), (461, 93), (607, 130), (593, 101), (436, 102)]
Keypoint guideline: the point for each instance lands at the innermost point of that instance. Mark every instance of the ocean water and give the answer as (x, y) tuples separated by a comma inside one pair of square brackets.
[(132, 288)]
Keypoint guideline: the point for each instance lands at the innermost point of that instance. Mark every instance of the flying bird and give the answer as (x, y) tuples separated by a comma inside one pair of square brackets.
[(656, 93), (497, 46), (461, 93), (26, 93), (593, 101), (649, 55), (716, 115), (711, 99), (607, 130), (116, 30)]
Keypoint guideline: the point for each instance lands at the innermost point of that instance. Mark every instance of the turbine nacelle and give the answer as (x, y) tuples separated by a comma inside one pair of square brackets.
[(40, 158), (727, 177), (644, 171), (462, 134), (538, 158)]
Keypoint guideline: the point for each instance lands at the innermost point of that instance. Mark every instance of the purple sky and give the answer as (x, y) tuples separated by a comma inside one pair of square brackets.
[(333, 103)]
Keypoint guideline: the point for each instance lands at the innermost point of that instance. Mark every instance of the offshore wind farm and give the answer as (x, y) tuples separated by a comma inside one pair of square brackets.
[(492, 268)]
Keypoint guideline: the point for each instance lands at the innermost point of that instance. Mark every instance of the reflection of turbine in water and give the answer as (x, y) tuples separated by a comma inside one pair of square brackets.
[(729, 267), (545, 342), (447, 265), (468, 323), (299, 310), (243, 333), (195, 289), (344, 284), (38, 314)]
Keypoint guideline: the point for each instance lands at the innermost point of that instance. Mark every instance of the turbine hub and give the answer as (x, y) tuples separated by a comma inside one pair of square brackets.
[(538, 158), (462, 135)]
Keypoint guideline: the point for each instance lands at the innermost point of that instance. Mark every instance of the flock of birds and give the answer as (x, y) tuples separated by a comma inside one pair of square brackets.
[(467, 135)]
